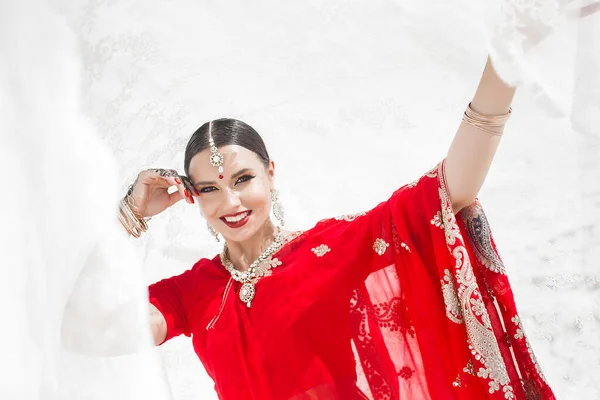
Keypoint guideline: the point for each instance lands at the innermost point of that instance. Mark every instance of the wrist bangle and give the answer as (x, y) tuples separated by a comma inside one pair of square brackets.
[(134, 224)]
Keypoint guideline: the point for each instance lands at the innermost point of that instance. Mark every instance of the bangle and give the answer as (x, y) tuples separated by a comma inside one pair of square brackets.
[(134, 224), (484, 122)]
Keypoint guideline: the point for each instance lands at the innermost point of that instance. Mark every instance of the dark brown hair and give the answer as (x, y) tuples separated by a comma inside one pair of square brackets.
[(226, 131)]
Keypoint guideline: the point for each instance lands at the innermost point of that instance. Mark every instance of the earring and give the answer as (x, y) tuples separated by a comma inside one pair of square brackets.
[(278, 210), (213, 232)]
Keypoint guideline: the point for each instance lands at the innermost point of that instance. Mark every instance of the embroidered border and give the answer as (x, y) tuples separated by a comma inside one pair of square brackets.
[(479, 230), (380, 388), (481, 339)]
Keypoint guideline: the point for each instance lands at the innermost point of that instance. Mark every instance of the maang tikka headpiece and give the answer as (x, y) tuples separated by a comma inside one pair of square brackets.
[(216, 159)]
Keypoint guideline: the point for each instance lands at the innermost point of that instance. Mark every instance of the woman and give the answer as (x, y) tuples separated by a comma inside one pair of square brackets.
[(408, 300)]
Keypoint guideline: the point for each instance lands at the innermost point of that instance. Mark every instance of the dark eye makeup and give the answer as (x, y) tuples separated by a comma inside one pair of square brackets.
[(241, 179), (244, 178)]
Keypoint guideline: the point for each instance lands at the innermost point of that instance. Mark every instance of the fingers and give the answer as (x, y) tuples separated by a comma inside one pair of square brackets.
[(166, 178), (189, 186), (175, 197), (186, 188), (181, 193)]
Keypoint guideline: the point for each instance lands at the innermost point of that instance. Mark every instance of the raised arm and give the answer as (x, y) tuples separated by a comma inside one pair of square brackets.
[(472, 150), (148, 196)]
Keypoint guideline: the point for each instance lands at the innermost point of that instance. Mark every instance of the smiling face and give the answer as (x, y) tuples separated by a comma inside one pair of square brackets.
[(238, 205)]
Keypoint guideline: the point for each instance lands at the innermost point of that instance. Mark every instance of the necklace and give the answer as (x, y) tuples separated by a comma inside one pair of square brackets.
[(260, 267)]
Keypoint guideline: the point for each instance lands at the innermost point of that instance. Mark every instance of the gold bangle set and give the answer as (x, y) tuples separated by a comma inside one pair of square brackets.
[(484, 122), (134, 224)]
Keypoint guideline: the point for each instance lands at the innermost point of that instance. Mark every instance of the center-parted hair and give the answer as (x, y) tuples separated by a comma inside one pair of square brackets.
[(225, 132)]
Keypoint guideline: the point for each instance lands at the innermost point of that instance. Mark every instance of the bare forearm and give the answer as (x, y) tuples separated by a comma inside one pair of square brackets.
[(493, 96), (472, 150)]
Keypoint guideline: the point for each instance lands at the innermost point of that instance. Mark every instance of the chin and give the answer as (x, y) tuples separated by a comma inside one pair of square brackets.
[(241, 235)]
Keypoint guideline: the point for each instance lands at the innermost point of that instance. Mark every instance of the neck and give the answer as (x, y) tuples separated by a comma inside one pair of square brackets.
[(243, 254)]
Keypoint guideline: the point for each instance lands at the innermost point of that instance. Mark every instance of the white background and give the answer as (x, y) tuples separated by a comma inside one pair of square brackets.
[(353, 99)]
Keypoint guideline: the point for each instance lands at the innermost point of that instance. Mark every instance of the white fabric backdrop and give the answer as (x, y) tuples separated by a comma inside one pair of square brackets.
[(353, 99)]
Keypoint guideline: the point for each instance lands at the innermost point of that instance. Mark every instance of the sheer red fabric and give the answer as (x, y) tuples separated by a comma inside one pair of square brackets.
[(405, 301)]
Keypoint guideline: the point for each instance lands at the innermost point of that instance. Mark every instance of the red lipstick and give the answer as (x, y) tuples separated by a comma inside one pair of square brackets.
[(237, 223)]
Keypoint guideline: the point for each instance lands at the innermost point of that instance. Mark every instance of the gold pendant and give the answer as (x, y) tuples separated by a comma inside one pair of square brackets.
[(247, 292)]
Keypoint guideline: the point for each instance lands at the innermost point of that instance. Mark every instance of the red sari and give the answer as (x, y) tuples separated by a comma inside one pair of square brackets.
[(402, 302)]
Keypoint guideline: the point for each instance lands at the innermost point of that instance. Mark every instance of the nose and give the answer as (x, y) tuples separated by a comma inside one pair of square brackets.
[(232, 199)]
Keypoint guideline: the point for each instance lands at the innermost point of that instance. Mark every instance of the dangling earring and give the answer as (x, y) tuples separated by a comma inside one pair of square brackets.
[(213, 232), (278, 210)]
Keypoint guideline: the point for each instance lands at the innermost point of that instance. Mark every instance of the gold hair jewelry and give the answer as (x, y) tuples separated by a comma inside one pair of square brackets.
[(484, 122), (259, 268), (216, 159)]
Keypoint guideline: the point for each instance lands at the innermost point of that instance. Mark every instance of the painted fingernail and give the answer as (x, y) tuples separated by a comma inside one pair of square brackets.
[(187, 194), (178, 181), (192, 199), (197, 192)]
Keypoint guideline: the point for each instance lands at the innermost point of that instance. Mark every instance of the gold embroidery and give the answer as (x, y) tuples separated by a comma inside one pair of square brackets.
[(292, 236), (535, 361), (481, 339), (432, 173), (478, 309), (520, 334), (456, 382), (517, 321), (446, 220), (405, 246), (380, 246), (321, 250), (449, 224), (508, 392), (437, 220), (470, 368), (349, 217), (264, 268), (453, 311)]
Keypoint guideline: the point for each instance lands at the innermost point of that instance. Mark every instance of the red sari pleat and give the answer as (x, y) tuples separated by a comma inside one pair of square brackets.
[(405, 301)]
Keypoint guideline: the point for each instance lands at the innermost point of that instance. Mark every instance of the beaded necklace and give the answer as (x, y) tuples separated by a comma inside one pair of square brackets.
[(260, 267)]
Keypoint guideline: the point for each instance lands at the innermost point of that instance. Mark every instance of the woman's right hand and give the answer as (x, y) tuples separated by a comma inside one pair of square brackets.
[(149, 194)]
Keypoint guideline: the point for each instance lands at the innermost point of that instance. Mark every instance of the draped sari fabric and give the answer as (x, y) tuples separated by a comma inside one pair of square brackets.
[(440, 320), (406, 301)]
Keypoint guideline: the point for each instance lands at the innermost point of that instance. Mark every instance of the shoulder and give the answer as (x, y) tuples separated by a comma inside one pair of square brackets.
[(342, 226), (207, 267), (201, 270), (347, 221)]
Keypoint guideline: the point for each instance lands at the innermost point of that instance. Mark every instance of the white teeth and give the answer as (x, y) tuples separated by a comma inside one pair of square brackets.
[(237, 218)]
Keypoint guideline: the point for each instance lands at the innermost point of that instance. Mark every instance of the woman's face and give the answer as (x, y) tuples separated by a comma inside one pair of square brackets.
[(238, 205)]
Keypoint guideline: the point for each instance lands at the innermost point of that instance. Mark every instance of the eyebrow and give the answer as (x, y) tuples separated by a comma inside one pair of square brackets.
[(240, 172)]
